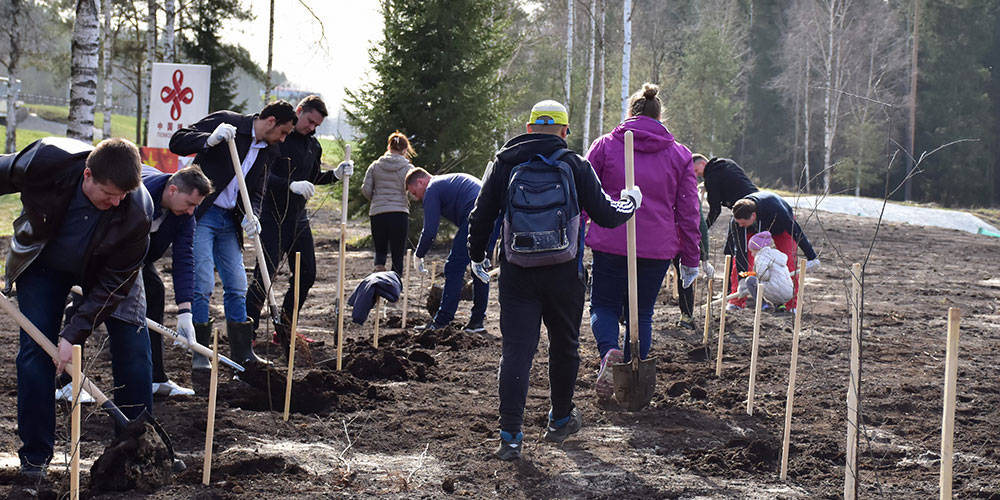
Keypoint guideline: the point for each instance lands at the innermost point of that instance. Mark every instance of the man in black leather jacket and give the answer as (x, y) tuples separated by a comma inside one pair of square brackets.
[(85, 221), (218, 241)]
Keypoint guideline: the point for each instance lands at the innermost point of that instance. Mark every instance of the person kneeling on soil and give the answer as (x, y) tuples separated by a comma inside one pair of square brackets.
[(770, 271), (542, 277), (85, 221), (764, 211), (451, 196)]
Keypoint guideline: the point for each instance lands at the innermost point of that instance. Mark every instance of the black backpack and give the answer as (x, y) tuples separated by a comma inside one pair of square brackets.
[(541, 224)]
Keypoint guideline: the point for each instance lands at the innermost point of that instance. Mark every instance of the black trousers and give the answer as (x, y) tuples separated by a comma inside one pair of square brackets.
[(389, 233), (685, 296), (155, 299), (529, 296), (282, 240)]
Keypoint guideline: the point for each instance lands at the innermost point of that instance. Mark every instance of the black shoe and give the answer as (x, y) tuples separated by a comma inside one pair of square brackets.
[(686, 322), (510, 446), (33, 472), (558, 430), (430, 327), (474, 326)]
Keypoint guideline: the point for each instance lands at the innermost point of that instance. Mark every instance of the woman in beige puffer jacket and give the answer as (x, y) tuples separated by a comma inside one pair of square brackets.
[(385, 188)]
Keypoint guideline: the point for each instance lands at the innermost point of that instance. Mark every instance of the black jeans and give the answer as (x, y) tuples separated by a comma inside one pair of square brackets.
[(281, 241), (529, 296), (389, 233), (685, 296), (155, 298)]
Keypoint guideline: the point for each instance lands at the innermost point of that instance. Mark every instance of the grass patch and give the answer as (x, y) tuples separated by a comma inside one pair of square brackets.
[(10, 208), (24, 137)]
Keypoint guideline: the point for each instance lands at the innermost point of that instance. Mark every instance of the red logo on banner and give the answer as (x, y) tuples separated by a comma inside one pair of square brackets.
[(178, 94)]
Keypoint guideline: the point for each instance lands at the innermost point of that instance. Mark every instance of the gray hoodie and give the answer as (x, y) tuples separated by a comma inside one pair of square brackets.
[(385, 184)]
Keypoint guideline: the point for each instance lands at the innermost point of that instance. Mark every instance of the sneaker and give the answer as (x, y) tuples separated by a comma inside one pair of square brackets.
[(430, 327), (686, 322), (474, 326), (66, 394), (605, 385), (558, 430), (733, 307), (510, 446), (765, 307), (170, 388), (33, 472)]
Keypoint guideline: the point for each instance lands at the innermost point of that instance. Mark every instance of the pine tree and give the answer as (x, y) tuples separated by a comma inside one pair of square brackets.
[(203, 46)]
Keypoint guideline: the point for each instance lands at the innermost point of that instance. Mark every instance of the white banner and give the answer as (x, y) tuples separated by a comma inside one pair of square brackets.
[(178, 98)]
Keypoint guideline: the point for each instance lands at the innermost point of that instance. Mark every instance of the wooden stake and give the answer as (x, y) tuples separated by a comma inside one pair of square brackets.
[(378, 319), (948, 419), (213, 385), (722, 316), (708, 313), (851, 463), (791, 371), (755, 346), (291, 343), (345, 184), (676, 278), (406, 285), (434, 272), (74, 468)]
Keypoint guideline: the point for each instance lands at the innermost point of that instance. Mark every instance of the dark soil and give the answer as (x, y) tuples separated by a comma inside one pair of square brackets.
[(417, 417)]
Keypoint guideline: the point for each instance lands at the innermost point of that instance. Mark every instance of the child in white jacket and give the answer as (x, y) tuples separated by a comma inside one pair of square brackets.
[(771, 268)]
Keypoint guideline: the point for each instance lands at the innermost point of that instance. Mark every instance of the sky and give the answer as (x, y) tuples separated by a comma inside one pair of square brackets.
[(324, 67)]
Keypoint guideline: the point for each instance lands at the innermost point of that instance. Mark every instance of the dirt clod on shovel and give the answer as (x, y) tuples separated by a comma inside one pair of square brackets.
[(136, 460)]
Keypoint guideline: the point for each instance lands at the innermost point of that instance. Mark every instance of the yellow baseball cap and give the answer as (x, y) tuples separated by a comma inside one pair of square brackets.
[(549, 112)]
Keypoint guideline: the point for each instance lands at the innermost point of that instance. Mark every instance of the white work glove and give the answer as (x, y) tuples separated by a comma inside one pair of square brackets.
[(345, 168), (633, 193), (706, 267), (304, 189), (688, 275), (812, 263), (418, 264), (251, 225), (185, 326), (481, 270), (743, 288), (223, 133)]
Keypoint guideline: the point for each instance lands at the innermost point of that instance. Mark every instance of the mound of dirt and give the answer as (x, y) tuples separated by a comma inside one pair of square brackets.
[(451, 337), (740, 453), (314, 391), (136, 460), (435, 292)]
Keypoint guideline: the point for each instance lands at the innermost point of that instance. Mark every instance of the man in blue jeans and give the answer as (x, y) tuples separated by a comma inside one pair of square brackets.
[(451, 196), (218, 240), (85, 221)]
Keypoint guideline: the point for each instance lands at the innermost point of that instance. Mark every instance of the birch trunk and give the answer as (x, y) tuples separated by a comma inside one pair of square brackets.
[(569, 49), (626, 54), (600, 73), (14, 39), (590, 77), (106, 71), (270, 56), (83, 71), (169, 48), (150, 57)]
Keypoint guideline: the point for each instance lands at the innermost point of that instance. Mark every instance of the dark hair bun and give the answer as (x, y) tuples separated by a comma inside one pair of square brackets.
[(649, 91)]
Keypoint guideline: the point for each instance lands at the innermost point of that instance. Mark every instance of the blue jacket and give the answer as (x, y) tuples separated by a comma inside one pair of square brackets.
[(385, 284), (451, 196), (175, 229)]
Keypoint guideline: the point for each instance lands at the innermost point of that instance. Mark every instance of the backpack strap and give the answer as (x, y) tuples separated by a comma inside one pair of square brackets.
[(554, 157)]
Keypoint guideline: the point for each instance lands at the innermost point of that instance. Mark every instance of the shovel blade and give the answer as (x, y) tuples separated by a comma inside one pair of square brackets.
[(635, 383)]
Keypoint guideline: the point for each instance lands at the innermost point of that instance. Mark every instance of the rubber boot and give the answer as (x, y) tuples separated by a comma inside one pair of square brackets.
[(241, 343), (203, 334)]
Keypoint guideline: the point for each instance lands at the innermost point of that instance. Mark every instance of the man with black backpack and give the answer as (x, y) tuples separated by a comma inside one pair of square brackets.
[(542, 276)]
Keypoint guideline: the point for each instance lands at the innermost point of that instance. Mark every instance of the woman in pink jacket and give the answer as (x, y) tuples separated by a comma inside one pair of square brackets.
[(666, 228)]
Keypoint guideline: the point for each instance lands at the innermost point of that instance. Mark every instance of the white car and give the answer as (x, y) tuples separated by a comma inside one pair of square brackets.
[(4, 88)]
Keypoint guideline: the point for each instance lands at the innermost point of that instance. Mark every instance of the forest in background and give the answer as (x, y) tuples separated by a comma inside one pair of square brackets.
[(811, 95)]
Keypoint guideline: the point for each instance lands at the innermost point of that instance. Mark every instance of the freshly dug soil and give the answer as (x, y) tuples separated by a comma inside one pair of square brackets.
[(136, 460)]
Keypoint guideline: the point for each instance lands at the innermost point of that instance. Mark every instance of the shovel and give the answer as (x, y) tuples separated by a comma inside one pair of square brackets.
[(102, 400), (635, 380)]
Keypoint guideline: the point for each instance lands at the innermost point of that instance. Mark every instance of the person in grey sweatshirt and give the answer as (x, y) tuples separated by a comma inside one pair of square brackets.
[(389, 211)]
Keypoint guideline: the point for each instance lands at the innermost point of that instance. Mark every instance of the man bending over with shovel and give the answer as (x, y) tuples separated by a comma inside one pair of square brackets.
[(541, 262), (85, 221)]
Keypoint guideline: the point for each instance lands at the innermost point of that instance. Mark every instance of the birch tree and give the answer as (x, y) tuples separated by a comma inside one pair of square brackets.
[(590, 75), (106, 70), (626, 55), (569, 50), (83, 71), (150, 56), (14, 12), (169, 40), (600, 69)]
